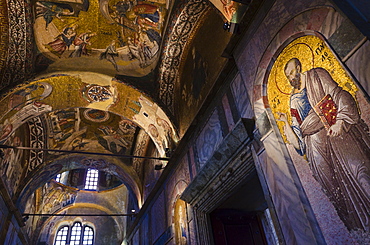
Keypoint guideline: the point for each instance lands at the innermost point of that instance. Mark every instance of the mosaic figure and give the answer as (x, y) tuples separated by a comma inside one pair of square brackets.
[(50, 10), (109, 54), (326, 126), (63, 41), (81, 42)]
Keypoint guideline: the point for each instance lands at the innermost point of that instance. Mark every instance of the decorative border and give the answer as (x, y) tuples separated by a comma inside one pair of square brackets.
[(19, 60), (37, 140), (4, 35)]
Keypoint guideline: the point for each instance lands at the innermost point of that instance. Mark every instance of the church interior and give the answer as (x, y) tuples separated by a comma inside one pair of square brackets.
[(126, 122)]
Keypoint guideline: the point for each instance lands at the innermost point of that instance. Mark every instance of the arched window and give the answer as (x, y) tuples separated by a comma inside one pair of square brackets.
[(75, 235), (88, 236), (91, 182), (57, 178), (61, 238)]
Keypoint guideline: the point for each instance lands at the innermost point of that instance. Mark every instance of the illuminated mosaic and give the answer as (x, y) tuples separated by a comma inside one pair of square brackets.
[(71, 105), (312, 52), (123, 36), (229, 9), (314, 102)]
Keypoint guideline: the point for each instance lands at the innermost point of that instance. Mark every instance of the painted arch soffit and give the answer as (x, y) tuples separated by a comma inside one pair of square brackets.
[(115, 36), (73, 104), (179, 35)]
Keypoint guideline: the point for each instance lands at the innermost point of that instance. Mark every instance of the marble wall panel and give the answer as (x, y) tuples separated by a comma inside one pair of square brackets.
[(241, 98), (209, 139), (136, 238), (192, 165), (228, 113), (144, 231), (316, 18), (290, 211), (332, 21), (193, 232), (361, 72), (158, 217), (345, 38)]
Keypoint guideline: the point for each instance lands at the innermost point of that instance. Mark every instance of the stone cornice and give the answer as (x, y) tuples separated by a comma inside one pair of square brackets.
[(228, 166)]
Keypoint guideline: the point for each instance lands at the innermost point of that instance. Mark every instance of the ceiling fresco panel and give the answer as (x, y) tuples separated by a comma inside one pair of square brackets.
[(100, 94), (200, 69), (231, 10), (117, 37)]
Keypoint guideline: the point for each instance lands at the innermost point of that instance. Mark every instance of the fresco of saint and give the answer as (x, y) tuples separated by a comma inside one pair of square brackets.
[(325, 126), (339, 158)]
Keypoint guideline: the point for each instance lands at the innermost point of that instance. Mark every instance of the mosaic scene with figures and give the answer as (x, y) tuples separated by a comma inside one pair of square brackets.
[(184, 122)]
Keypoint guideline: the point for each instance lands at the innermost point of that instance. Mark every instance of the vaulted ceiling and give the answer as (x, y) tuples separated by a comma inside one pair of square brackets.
[(108, 77)]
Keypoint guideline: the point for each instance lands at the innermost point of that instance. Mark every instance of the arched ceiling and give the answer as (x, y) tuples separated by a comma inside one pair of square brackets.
[(77, 113), (96, 99), (102, 76)]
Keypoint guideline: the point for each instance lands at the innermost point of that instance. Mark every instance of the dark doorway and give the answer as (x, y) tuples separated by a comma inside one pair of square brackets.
[(237, 221), (233, 227)]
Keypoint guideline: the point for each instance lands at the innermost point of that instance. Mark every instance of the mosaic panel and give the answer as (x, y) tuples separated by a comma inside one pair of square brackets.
[(120, 36), (314, 102)]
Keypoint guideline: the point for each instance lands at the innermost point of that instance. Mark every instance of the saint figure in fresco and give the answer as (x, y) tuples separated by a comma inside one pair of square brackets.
[(62, 41), (81, 42), (50, 10), (109, 54), (326, 126)]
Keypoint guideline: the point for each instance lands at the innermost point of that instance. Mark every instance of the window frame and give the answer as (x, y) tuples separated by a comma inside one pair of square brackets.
[(58, 177), (88, 182), (90, 237)]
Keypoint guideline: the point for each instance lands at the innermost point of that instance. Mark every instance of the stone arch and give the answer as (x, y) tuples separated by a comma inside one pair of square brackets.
[(177, 190), (46, 172)]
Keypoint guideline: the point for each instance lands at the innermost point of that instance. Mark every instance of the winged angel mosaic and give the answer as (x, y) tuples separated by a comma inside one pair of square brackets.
[(123, 35), (314, 101)]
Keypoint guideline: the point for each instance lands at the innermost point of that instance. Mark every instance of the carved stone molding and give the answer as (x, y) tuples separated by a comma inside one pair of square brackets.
[(229, 166)]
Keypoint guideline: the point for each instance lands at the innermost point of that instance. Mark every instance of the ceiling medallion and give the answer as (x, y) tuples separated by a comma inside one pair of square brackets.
[(96, 115), (96, 93)]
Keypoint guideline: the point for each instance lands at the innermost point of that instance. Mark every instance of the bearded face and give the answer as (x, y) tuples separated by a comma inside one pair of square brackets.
[(296, 81), (293, 73)]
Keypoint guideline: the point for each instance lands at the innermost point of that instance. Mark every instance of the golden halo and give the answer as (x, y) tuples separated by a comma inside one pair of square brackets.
[(304, 50)]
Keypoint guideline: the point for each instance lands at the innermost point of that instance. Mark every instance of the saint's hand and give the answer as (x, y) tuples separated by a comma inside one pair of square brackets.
[(283, 117), (336, 129)]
